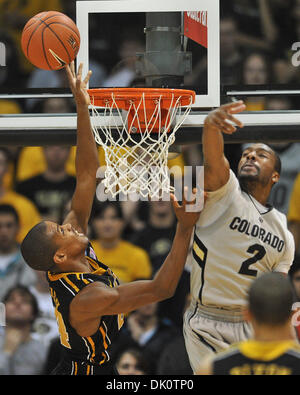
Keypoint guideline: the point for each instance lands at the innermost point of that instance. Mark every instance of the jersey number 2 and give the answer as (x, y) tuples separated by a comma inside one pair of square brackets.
[(259, 252)]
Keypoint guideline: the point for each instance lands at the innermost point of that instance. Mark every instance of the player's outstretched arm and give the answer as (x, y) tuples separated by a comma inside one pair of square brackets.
[(216, 166), (96, 299), (86, 162)]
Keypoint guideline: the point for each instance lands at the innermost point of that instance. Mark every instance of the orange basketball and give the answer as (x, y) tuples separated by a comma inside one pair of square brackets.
[(50, 40)]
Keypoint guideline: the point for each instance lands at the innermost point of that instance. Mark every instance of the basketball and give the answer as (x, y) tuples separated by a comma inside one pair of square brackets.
[(50, 40)]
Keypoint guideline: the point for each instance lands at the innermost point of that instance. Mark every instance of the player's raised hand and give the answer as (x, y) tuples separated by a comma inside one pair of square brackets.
[(77, 85), (222, 119), (187, 218)]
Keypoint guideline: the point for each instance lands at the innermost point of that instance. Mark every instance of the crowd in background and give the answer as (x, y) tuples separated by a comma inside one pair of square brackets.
[(133, 239)]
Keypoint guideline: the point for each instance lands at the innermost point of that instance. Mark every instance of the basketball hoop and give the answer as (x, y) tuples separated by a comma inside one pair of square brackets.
[(140, 127)]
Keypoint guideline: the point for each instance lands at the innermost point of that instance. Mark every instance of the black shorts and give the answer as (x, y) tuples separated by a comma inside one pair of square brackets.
[(76, 368)]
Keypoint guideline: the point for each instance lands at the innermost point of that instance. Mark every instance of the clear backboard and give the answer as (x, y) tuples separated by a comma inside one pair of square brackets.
[(107, 14)]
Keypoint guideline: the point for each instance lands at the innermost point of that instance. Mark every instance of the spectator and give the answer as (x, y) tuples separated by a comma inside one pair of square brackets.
[(158, 234), (15, 14), (10, 73), (126, 260), (27, 212), (174, 359), (31, 161), (129, 361), (289, 154), (144, 329), (256, 70), (19, 353), (132, 362), (54, 105), (294, 213), (230, 53), (54, 355), (230, 56), (294, 274), (124, 72), (50, 190), (283, 11), (45, 325), (256, 24), (156, 239), (13, 269), (56, 79)]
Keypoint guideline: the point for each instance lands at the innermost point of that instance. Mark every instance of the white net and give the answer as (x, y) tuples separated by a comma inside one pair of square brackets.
[(136, 143)]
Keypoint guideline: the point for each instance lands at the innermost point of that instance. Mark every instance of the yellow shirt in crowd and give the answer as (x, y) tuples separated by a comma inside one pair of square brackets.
[(294, 207), (126, 260), (32, 162), (28, 213)]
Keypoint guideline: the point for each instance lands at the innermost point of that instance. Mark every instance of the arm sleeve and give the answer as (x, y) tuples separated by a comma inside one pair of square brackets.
[(218, 201)]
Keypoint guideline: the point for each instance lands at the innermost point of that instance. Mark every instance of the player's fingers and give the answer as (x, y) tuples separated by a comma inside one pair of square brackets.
[(227, 125), (88, 76), (79, 73), (194, 195), (78, 82), (231, 105), (235, 121), (226, 115), (191, 196), (236, 109), (174, 201), (185, 196), (72, 68), (224, 124), (69, 72)]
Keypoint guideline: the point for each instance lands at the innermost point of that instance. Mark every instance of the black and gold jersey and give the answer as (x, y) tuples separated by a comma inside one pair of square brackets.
[(259, 358), (91, 350)]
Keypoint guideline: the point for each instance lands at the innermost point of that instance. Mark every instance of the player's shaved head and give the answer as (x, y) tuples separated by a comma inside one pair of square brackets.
[(271, 299), (38, 248)]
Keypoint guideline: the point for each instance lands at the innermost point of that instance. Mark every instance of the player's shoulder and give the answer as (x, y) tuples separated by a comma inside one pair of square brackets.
[(281, 216)]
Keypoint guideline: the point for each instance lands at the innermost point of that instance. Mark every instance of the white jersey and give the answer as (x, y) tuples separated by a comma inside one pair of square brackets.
[(232, 247)]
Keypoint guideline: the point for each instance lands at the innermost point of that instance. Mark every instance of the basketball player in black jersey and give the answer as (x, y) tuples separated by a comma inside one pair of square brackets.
[(273, 349), (88, 300)]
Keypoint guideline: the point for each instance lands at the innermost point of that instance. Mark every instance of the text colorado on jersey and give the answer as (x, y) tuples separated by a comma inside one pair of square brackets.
[(244, 226)]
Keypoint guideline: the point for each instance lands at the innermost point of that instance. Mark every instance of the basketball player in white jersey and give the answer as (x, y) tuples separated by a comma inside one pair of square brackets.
[(237, 238)]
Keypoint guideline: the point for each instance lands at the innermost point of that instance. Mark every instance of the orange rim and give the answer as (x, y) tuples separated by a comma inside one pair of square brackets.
[(123, 97)]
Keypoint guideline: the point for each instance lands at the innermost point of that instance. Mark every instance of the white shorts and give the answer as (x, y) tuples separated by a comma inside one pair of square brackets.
[(210, 330)]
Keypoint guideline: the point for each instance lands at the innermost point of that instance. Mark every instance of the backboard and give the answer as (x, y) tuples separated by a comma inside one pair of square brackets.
[(113, 9)]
